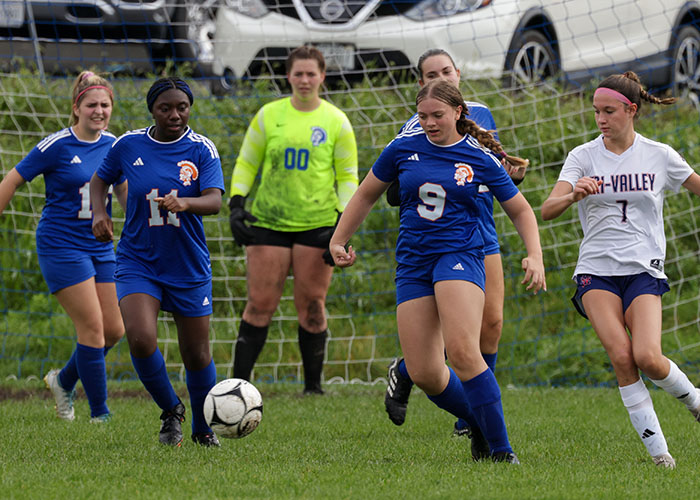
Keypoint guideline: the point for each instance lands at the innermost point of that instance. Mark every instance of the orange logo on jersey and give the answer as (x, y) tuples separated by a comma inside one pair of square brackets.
[(188, 172), (463, 174)]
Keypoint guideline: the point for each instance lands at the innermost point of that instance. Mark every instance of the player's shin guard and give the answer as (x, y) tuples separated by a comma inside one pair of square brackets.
[(90, 362), (484, 397), (313, 350), (679, 386), (198, 385), (154, 377), (638, 402), (251, 340), (452, 399), (68, 376)]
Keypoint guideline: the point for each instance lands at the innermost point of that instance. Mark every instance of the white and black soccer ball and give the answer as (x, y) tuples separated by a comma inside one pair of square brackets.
[(233, 408)]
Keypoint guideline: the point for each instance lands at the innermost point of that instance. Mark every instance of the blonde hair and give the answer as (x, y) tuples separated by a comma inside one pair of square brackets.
[(447, 92), (87, 80)]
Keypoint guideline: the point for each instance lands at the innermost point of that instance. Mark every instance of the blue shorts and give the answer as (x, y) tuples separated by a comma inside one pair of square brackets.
[(413, 282), (190, 301), (627, 287), (487, 225), (68, 268)]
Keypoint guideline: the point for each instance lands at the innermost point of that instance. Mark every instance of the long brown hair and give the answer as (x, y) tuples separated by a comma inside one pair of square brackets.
[(447, 92)]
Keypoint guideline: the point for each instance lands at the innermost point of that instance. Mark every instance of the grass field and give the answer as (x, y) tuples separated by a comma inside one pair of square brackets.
[(573, 443)]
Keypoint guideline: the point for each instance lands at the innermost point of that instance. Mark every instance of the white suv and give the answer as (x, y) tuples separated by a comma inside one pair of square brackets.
[(519, 40)]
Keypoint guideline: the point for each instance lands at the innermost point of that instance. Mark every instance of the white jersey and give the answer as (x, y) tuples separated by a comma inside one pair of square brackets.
[(623, 225)]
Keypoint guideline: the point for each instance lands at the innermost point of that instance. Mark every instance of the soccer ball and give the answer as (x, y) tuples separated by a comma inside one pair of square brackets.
[(233, 408)]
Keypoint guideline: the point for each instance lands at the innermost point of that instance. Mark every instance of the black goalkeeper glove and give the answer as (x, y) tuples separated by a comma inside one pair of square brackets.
[(393, 196), (241, 232)]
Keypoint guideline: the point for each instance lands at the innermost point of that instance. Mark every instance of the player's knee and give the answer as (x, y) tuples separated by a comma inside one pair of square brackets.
[(313, 316), (651, 362), (259, 313), (622, 360)]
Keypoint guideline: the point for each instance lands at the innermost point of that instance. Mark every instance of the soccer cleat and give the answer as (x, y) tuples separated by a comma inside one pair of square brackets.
[(506, 456), (480, 447), (171, 428), (461, 431), (696, 411), (398, 390), (101, 419), (313, 390), (664, 460), (64, 398), (207, 439)]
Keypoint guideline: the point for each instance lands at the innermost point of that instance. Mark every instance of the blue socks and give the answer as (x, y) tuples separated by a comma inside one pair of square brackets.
[(403, 371), (68, 376), (452, 398), (198, 385), (90, 366), (491, 363), (484, 398), (154, 376)]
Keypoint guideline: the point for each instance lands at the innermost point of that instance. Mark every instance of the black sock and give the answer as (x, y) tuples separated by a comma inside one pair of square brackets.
[(313, 349), (251, 340)]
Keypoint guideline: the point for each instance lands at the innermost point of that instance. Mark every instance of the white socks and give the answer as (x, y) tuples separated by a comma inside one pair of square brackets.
[(638, 402), (677, 385)]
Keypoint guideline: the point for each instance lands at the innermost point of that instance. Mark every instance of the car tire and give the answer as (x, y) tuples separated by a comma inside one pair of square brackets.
[(530, 60), (685, 72)]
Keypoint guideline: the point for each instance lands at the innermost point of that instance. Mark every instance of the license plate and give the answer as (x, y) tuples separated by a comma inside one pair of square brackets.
[(11, 13), (338, 56)]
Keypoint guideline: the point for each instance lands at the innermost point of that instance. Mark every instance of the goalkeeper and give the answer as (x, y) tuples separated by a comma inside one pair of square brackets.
[(308, 155)]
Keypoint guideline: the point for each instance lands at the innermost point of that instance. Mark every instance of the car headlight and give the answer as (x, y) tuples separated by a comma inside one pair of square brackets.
[(250, 8), (433, 9)]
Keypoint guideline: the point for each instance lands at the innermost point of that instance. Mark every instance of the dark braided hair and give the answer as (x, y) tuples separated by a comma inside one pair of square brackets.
[(447, 92), (629, 85), (163, 84)]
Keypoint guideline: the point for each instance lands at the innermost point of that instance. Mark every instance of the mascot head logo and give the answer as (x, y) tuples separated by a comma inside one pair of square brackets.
[(318, 136), (188, 172), (463, 173)]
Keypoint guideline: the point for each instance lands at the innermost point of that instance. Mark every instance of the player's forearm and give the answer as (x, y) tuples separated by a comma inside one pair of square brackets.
[(98, 191), (8, 186), (554, 206), (209, 203)]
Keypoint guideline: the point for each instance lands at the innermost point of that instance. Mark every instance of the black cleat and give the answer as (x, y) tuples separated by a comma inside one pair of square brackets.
[(207, 439), (398, 390), (461, 431), (505, 456), (171, 428), (480, 447)]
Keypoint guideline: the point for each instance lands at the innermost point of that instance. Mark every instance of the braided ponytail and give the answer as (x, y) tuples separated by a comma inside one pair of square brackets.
[(629, 85), (448, 93)]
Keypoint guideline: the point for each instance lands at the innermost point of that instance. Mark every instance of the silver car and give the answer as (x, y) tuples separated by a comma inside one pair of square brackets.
[(127, 35)]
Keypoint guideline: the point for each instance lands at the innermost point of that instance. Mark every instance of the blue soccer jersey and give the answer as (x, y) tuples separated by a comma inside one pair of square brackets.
[(67, 164), (481, 115), (439, 187), (169, 248)]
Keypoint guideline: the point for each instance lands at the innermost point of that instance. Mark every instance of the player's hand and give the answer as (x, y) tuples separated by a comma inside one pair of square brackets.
[(237, 220), (342, 257), (102, 228), (172, 203), (585, 186), (534, 274)]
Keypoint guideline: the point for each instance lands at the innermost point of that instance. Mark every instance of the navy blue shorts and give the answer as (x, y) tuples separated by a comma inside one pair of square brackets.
[(627, 287), (191, 301), (61, 270), (318, 238), (413, 282)]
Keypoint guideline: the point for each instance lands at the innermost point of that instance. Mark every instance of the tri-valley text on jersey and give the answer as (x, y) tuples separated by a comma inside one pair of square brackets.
[(625, 183)]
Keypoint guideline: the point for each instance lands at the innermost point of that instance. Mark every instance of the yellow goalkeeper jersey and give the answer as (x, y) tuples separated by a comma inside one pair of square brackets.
[(309, 165)]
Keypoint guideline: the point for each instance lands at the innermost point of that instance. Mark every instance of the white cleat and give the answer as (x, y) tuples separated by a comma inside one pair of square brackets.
[(64, 398), (665, 460)]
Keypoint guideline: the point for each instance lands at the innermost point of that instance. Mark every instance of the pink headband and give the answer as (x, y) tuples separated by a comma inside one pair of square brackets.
[(612, 93), (91, 87)]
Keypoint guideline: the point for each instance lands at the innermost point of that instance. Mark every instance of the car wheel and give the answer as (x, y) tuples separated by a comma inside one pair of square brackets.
[(193, 29), (686, 64), (530, 60)]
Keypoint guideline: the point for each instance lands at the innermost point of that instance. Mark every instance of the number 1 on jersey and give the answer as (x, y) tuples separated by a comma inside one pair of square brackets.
[(156, 219)]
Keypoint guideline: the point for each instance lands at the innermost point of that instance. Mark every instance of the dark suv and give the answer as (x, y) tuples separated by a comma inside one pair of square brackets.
[(61, 36)]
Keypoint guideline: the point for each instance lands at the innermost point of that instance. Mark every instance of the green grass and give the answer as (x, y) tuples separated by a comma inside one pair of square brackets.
[(573, 443)]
